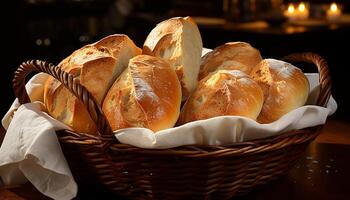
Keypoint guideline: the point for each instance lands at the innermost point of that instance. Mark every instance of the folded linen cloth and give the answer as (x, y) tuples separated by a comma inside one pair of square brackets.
[(31, 151)]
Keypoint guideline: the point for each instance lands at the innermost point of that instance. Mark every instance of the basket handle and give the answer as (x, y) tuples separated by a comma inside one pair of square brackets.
[(69, 82), (324, 75)]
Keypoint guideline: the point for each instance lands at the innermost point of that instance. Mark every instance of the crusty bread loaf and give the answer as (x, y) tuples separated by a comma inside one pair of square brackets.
[(147, 94), (224, 92), (285, 88), (231, 56), (178, 41), (96, 66)]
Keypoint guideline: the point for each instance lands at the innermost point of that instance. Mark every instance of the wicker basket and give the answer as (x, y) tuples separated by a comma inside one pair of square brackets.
[(200, 172)]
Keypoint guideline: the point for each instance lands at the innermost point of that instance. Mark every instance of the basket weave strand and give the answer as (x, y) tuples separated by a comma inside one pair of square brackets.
[(187, 172), (69, 82), (325, 80)]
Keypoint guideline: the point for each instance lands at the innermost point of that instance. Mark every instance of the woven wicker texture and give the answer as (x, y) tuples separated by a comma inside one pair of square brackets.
[(68, 80), (188, 172)]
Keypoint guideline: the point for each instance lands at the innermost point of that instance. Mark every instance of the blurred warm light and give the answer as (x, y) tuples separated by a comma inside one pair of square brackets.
[(333, 12), (295, 29), (334, 7), (291, 8), (297, 13), (301, 7)]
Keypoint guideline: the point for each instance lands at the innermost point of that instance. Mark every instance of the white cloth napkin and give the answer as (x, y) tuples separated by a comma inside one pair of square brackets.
[(30, 150)]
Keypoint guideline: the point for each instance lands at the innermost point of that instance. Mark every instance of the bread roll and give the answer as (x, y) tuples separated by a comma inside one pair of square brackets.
[(147, 94), (96, 66), (285, 88), (179, 42), (224, 92), (232, 56)]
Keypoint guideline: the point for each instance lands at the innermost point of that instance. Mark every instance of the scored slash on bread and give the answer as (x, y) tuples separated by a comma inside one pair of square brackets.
[(147, 94), (285, 88), (96, 66), (224, 92)]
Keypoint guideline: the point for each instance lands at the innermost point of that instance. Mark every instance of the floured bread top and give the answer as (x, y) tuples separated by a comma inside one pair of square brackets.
[(285, 88), (236, 76), (223, 92)]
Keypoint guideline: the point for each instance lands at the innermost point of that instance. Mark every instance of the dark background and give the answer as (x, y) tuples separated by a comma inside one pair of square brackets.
[(50, 30)]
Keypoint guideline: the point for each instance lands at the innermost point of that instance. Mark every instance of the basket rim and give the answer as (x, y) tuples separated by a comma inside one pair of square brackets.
[(255, 146)]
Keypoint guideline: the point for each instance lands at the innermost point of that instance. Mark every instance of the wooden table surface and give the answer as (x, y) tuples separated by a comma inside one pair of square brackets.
[(321, 173)]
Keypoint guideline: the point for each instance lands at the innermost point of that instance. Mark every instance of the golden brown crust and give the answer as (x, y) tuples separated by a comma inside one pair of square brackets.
[(63, 106), (147, 94), (224, 92), (285, 88), (178, 41), (231, 56), (96, 66)]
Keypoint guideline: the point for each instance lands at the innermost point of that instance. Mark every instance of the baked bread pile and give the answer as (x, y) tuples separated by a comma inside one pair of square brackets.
[(146, 88)]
